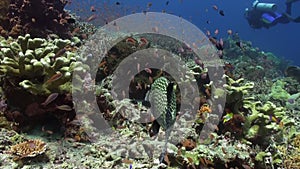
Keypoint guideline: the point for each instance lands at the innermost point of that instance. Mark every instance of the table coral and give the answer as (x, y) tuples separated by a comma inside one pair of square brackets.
[(30, 148)]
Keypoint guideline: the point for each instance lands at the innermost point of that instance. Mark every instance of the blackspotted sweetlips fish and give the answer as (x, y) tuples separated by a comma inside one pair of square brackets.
[(162, 98)]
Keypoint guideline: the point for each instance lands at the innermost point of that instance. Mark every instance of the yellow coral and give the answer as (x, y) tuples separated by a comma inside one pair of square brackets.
[(205, 108), (30, 148)]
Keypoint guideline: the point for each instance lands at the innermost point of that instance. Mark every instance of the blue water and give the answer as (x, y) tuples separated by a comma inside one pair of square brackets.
[(282, 39)]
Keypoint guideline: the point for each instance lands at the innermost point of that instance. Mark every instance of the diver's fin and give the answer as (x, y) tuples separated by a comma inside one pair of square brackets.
[(297, 19)]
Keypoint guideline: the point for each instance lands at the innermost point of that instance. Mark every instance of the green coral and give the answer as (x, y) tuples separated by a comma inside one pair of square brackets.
[(264, 119), (236, 90), (33, 62), (278, 92)]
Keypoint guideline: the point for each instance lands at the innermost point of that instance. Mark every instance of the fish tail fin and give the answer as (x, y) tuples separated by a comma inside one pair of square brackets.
[(154, 128), (164, 151)]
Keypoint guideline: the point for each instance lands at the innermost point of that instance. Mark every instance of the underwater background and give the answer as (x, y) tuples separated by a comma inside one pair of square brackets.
[(123, 84), (282, 39)]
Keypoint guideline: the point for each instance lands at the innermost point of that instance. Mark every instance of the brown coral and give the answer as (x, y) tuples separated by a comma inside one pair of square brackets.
[(235, 125), (30, 148)]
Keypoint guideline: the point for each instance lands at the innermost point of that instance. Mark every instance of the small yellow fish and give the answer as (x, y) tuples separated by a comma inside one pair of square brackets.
[(227, 117)]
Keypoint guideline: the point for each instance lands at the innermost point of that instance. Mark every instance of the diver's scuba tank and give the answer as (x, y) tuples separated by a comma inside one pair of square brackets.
[(265, 7)]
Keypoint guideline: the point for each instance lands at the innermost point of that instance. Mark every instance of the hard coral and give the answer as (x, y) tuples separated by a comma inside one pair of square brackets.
[(38, 18), (30, 148), (35, 70)]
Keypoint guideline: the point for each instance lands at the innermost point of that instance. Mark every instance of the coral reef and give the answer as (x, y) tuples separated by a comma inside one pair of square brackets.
[(250, 62), (37, 18), (252, 132)]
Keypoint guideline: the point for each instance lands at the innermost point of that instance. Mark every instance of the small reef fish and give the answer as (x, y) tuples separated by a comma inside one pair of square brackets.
[(75, 30), (50, 99), (208, 33), (64, 107), (54, 77), (219, 44), (240, 44), (59, 53), (91, 18), (221, 12), (130, 41), (93, 9), (215, 7), (143, 42), (216, 31), (229, 31)]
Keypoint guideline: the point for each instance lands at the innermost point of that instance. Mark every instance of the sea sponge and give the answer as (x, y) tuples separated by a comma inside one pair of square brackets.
[(30, 148)]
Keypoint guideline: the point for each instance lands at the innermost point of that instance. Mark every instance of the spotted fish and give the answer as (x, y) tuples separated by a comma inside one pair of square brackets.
[(162, 98)]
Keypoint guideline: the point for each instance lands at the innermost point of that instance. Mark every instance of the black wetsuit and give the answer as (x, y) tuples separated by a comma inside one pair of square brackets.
[(289, 10)]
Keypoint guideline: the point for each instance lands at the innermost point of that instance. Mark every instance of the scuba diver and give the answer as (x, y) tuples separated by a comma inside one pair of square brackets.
[(265, 15)]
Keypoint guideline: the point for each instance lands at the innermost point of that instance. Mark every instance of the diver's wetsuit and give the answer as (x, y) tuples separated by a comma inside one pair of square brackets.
[(289, 10)]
